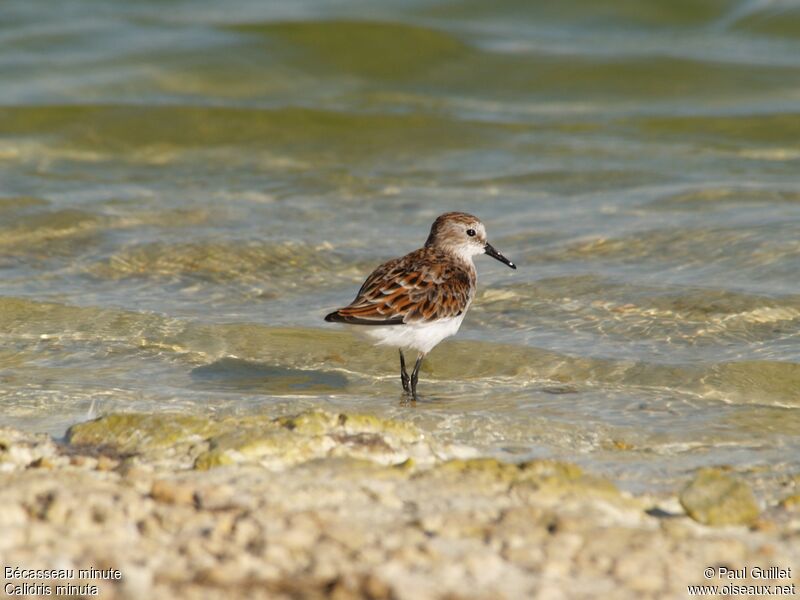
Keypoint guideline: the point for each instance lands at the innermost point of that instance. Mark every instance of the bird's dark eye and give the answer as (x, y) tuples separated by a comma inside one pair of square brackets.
[(471, 232)]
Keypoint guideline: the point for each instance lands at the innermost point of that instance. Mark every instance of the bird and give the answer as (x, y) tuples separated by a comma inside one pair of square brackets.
[(415, 301)]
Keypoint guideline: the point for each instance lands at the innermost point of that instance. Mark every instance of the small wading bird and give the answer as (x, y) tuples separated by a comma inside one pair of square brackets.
[(414, 302)]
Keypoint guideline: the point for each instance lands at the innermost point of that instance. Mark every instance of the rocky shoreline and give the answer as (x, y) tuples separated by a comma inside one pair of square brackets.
[(324, 505)]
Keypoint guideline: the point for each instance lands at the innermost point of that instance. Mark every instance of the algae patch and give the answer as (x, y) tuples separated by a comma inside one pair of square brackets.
[(275, 443), (135, 433), (285, 441), (371, 49)]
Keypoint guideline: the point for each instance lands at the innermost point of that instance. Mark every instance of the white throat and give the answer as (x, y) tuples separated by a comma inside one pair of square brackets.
[(466, 252)]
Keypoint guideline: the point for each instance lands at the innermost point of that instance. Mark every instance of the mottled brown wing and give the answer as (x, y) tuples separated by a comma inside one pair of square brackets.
[(416, 288)]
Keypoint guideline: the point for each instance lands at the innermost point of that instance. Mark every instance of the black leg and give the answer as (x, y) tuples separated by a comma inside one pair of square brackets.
[(403, 374), (415, 376)]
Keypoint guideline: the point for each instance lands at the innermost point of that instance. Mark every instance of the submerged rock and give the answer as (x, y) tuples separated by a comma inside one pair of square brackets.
[(715, 498)]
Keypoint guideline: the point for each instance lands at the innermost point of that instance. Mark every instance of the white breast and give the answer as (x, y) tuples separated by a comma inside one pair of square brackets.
[(421, 337)]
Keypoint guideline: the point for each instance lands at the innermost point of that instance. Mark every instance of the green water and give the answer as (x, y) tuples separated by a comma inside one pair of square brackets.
[(186, 188)]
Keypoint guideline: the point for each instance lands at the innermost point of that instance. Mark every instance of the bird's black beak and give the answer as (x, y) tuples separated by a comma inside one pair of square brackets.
[(489, 249)]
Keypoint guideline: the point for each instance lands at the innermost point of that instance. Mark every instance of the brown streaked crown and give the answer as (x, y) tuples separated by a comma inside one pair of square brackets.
[(451, 227)]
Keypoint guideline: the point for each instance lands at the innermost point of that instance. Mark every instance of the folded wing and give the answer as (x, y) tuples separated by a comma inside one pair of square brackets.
[(411, 289)]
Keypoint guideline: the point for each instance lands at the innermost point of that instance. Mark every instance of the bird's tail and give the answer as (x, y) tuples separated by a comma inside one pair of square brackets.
[(337, 317), (334, 317)]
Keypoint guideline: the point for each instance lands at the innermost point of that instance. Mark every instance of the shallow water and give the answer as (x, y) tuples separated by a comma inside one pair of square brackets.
[(186, 189)]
